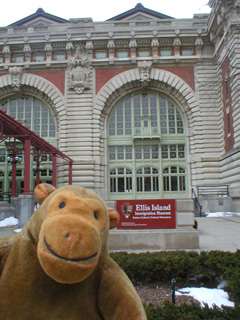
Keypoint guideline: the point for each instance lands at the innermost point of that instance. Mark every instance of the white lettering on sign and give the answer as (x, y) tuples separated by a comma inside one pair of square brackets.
[(144, 210), (142, 207), (158, 207)]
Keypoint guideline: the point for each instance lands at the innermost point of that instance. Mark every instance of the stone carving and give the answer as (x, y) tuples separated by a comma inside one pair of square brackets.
[(111, 49), (133, 48), (89, 47), (16, 75), (155, 46), (69, 49), (27, 52), (155, 43), (199, 45), (133, 44), (79, 70), (111, 45), (7, 53), (144, 70), (48, 51), (177, 44)]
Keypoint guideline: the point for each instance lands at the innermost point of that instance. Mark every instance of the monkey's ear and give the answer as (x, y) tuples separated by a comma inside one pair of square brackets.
[(42, 191), (113, 218)]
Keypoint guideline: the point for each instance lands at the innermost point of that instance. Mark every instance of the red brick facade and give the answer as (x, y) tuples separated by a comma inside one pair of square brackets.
[(55, 77), (104, 75), (185, 73)]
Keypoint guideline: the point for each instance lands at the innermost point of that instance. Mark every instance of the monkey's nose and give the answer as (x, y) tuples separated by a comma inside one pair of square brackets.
[(72, 239)]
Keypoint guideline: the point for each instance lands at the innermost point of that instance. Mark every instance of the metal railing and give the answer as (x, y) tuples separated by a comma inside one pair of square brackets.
[(5, 196), (214, 190), (197, 204)]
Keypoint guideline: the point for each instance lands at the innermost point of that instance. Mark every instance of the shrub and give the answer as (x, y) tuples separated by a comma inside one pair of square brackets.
[(190, 312), (206, 267), (160, 266)]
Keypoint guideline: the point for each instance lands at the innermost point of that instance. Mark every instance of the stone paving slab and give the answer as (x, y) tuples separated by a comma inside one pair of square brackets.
[(7, 231), (222, 233)]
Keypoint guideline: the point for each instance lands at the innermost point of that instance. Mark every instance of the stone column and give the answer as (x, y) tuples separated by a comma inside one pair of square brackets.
[(25, 208)]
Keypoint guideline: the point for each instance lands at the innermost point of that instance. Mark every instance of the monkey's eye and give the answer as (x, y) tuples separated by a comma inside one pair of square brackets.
[(95, 215), (62, 204)]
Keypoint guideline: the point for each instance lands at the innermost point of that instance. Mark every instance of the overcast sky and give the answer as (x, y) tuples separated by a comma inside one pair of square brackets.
[(99, 10)]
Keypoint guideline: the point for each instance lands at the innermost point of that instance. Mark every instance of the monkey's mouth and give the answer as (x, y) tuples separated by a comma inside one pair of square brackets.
[(67, 259)]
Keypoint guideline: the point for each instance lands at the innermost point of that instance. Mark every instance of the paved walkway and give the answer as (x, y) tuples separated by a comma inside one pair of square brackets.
[(214, 233), (7, 231), (219, 233)]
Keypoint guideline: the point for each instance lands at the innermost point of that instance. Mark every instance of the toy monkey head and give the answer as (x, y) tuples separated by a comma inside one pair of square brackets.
[(71, 229)]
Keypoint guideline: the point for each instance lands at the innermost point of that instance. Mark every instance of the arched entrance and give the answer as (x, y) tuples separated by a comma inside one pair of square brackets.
[(182, 96), (146, 148)]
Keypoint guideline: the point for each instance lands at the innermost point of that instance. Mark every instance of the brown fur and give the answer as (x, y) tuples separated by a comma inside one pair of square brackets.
[(58, 267)]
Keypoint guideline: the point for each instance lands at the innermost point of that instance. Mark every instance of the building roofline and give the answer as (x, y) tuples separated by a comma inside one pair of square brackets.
[(39, 13), (140, 8)]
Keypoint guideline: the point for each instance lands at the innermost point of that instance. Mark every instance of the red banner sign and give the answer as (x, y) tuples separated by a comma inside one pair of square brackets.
[(147, 214)]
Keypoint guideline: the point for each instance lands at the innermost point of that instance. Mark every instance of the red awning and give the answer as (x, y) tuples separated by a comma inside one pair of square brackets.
[(11, 128)]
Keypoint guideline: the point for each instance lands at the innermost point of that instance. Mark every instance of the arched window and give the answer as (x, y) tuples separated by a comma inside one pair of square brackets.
[(145, 114), (38, 117), (33, 114), (146, 135)]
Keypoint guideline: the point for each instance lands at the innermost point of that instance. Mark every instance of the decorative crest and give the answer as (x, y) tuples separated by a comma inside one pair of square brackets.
[(144, 70), (79, 69), (16, 75)]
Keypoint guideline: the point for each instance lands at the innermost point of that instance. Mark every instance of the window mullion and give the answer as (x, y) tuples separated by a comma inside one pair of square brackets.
[(134, 178)]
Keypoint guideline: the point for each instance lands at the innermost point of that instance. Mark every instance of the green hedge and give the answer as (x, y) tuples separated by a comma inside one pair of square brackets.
[(207, 267), (190, 312)]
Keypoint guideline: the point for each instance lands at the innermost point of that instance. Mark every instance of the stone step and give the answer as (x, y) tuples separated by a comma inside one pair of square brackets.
[(144, 240), (7, 210)]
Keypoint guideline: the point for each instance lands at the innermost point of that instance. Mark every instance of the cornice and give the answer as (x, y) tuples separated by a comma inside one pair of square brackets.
[(146, 41), (129, 35), (100, 40), (90, 30)]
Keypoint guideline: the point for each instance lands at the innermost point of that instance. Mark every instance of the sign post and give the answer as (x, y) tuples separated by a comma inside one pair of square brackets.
[(147, 214)]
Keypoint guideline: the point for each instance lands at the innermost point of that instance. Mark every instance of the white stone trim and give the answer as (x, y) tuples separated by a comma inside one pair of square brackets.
[(41, 84), (176, 88), (160, 80)]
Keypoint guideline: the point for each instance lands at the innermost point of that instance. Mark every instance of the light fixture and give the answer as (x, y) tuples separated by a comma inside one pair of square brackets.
[(16, 160), (41, 168)]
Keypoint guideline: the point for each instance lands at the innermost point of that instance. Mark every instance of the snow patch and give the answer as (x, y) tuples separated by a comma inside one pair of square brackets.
[(17, 230), (222, 214), (208, 296), (9, 222)]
